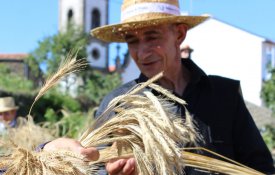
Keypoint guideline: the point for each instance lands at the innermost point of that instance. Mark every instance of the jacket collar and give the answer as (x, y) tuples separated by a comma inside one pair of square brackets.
[(197, 74)]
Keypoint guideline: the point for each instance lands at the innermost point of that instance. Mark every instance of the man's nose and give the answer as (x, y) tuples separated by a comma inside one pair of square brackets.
[(144, 50)]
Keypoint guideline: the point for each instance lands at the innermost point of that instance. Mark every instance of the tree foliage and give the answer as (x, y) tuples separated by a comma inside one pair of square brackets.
[(44, 61), (269, 136), (97, 86), (53, 49), (11, 82), (268, 91)]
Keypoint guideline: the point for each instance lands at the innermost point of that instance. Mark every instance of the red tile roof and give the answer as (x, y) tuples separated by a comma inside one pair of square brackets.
[(13, 56)]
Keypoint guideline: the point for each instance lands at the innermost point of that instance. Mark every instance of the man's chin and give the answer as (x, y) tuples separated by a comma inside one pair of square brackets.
[(151, 74)]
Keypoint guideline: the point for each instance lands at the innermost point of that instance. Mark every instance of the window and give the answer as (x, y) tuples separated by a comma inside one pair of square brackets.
[(95, 18), (269, 61), (70, 15), (95, 54)]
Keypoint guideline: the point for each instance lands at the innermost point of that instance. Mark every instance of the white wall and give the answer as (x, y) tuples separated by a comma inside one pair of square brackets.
[(101, 6), (64, 7), (102, 61), (224, 50)]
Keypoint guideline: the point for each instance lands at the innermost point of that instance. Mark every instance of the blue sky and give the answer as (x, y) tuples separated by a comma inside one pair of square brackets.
[(25, 22)]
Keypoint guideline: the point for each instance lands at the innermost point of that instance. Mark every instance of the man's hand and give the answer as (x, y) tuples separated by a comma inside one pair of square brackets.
[(90, 154), (121, 167)]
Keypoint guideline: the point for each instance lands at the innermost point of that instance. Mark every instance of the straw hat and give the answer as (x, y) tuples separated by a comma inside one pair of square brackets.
[(143, 13), (7, 104)]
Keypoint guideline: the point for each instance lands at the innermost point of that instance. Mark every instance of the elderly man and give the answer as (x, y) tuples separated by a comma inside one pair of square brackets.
[(8, 111), (154, 31)]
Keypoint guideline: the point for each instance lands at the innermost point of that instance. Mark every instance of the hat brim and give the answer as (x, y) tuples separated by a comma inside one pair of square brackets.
[(8, 109), (114, 33)]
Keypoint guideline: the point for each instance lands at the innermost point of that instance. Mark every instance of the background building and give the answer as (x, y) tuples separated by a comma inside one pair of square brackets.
[(16, 64), (88, 14), (223, 49)]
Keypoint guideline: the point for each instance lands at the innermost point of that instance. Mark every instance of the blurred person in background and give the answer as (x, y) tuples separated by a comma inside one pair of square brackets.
[(185, 51), (8, 112)]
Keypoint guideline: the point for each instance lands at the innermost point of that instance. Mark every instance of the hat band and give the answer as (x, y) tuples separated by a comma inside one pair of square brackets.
[(154, 7)]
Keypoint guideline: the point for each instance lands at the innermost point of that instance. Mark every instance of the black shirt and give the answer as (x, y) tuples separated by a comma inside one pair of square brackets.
[(223, 119)]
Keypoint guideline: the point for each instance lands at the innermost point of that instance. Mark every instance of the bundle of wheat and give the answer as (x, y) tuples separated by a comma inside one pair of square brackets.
[(143, 126), (21, 157), (19, 135), (23, 161)]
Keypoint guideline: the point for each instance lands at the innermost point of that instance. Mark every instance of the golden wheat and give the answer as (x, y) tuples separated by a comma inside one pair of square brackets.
[(140, 125)]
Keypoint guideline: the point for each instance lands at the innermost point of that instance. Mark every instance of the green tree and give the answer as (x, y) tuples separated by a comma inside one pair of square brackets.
[(97, 86), (51, 106), (52, 50), (12, 82), (268, 91)]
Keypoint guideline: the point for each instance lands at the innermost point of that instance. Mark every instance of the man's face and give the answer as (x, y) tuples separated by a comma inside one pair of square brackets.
[(155, 49), (8, 115)]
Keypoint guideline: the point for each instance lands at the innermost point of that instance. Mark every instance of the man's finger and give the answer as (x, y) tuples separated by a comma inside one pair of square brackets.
[(115, 166), (129, 167)]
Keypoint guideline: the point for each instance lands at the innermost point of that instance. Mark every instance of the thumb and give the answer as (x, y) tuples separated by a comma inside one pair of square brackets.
[(90, 153)]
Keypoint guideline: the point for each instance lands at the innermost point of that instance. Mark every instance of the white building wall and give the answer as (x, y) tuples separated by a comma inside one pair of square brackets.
[(101, 62), (82, 14), (90, 5), (76, 6), (221, 49), (96, 45)]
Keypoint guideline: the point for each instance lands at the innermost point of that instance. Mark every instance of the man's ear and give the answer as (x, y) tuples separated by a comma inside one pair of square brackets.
[(181, 30)]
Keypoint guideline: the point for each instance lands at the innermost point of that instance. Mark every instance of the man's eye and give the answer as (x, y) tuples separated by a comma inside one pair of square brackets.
[(151, 38), (132, 41)]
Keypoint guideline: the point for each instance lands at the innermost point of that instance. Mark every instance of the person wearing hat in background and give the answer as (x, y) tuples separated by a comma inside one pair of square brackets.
[(8, 111), (185, 51), (154, 31), (8, 115)]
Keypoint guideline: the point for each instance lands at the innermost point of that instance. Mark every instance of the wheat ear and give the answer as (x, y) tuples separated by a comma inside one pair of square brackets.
[(70, 65)]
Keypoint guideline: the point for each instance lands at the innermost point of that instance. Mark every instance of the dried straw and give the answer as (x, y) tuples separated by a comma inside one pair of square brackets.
[(212, 165), (21, 159), (70, 65), (24, 162), (142, 125), (145, 127), (17, 136)]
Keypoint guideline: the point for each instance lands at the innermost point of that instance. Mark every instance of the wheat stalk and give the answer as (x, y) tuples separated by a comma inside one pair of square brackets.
[(21, 159), (143, 126), (229, 167), (24, 162), (25, 127), (70, 65)]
